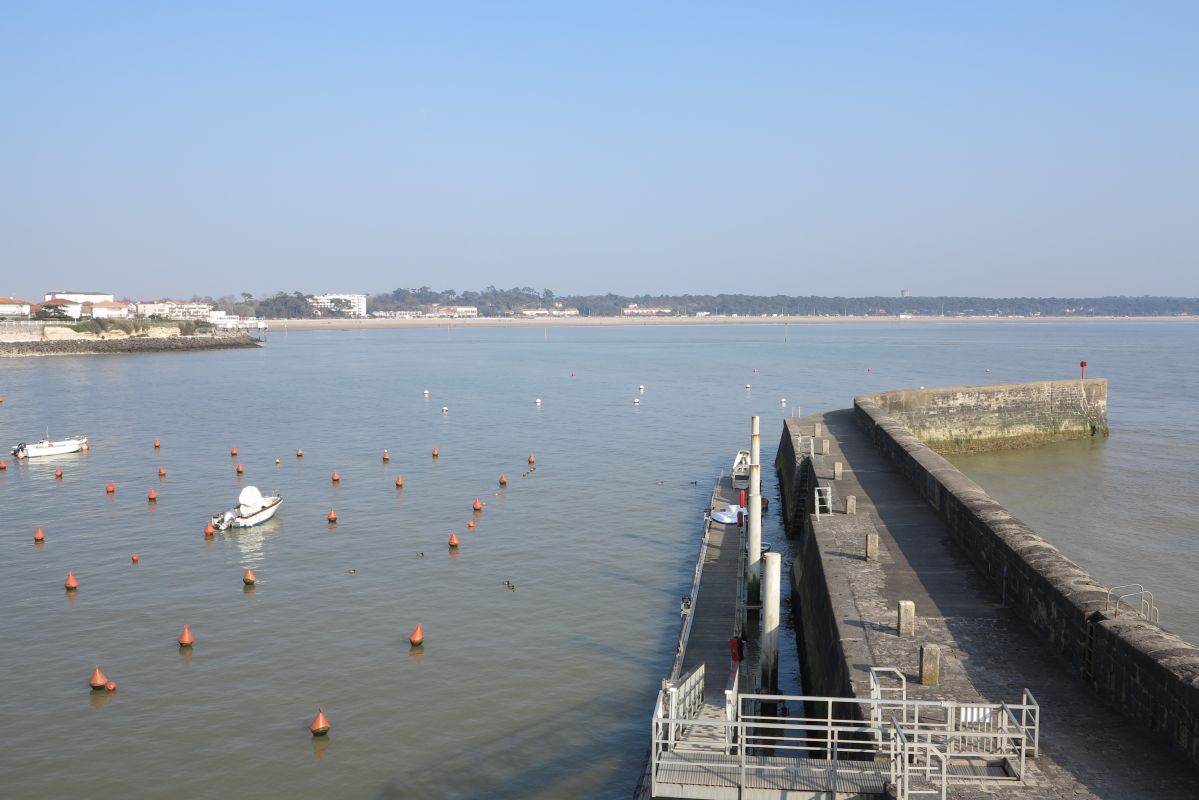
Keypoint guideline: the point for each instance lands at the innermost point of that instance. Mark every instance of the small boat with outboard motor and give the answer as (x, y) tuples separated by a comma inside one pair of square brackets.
[(48, 447), (741, 470), (253, 508)]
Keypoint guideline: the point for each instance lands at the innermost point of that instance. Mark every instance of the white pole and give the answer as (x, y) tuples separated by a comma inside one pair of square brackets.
[(753, 543), (771, 581)]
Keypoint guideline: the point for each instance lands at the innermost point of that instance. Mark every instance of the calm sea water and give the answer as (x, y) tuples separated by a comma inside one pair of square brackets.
[(541, 692)]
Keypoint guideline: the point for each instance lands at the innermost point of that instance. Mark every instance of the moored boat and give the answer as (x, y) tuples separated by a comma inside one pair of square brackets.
[(741, 470), (46, 447), (253, 508)]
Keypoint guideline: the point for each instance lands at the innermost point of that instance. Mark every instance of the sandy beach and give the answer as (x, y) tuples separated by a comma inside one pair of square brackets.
[(543, 322)]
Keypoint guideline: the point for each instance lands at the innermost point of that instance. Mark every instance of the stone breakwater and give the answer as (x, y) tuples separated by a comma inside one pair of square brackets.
[(133, 344), (968, 419), (1145, 672)]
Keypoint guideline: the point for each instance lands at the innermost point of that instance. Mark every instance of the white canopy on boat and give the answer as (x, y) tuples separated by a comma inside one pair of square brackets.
[(250, 500)]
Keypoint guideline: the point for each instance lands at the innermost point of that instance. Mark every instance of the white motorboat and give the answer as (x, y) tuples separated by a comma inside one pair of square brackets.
[(46, 447), (741, 470), (252, 509), (729, 515)]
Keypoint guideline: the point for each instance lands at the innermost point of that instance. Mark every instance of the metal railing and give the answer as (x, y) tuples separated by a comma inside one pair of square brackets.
[(1145, 606), (824, 500), (687, 604), (936, 734), (910, 760)]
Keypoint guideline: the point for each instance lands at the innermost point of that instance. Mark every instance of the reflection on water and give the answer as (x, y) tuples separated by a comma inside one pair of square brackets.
[(542, 692)]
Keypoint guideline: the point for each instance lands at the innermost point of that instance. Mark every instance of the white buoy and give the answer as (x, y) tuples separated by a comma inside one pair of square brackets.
[(537, 401), (636, 401), (641, 388), (747, 386), (426, 392), (445, 409), (782, 401)]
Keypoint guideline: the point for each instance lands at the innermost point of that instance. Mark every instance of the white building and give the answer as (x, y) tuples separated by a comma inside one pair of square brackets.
[(534, 312), (12, 307), (173, 309), (454, 311), (564, 311), (72, 309), (356, 303), (634, 310), (80, 297), (107, 309)]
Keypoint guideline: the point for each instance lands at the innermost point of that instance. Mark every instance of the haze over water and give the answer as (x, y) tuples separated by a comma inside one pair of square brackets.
[(540, 692)]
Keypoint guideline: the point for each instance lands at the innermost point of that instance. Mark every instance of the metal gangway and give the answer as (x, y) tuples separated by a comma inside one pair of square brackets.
[(799, 746)]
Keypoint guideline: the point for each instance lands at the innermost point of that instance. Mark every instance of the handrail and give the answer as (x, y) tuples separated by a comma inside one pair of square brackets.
[(687, 606), (1147, 608)]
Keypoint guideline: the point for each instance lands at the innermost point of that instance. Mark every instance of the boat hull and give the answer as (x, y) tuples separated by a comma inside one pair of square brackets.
[(50, 448), (234, 519)]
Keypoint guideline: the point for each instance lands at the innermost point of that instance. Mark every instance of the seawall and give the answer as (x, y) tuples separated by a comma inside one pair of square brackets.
[(999, 417), (133, 344), (1146, 673)]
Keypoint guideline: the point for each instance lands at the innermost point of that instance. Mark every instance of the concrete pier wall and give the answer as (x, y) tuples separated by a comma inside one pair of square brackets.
[(1005, 416), (1147, 673)]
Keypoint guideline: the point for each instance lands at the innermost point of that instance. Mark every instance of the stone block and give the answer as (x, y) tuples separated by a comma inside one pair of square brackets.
[(872, 547), (930, 664), (907, 618)]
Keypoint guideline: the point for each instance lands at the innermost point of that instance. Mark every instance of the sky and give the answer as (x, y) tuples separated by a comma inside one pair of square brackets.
[(849, 148)]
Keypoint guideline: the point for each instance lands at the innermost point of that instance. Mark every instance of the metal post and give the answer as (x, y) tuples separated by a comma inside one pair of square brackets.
[(753, 541), (771, 582)]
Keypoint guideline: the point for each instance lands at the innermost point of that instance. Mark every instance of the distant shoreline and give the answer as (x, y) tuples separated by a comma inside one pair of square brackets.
[(122, 345), (541, 322)]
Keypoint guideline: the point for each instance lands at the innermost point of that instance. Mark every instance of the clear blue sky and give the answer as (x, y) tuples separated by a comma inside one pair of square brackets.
[(995, 149)]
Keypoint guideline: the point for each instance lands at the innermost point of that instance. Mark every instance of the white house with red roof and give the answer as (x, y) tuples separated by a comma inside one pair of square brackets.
[(108, 309), (12, 307)]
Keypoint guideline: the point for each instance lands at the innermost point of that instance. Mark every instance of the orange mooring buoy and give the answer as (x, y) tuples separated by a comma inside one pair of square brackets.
[(98, 679), (503, 479), (110, 488), (417, 638), (399, 481), (70, 582), (2, 464), (249, 579), (299, 453), (320, 726), (453, 539), (162, 473), (386, 456), (157, 443), (435, 453), (532, 458), (336, 477), (332, 516), (111, 686), (38, 535), (186, 639), (134, 558), (240, 469), (477, 505), (152, 495), (208, 529), (470, 523), (233, 452), (58, 472), (85, 447)]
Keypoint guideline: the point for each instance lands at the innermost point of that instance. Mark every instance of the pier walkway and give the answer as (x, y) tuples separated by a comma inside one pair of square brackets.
[(988, 655)]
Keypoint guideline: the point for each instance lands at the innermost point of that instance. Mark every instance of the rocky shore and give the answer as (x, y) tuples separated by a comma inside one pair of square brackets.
[(130, 344)]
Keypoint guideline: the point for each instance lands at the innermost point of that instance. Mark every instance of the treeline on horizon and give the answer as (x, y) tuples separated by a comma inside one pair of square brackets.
[(493, 302)]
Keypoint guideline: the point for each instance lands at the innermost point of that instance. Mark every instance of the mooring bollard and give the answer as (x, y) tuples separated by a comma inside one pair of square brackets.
[(907, 618), (824, 447), (930, 664), (837, 470), (872, 547), (851, 504), (815, 430)]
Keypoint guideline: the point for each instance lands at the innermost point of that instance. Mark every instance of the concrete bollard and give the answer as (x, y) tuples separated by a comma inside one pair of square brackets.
[(838, 470), (872, 547), (930, 664), (755, 441), (907, 618), (851, 504), (824, 447), (816, 430), (771, 585), (753, 538)]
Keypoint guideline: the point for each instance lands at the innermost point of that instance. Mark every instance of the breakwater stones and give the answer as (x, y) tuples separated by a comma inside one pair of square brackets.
[(135, 344)]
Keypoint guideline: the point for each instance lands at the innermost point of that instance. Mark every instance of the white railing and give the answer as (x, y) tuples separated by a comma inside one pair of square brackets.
[(687, 605), (1144, 598), (910, 760), (687, 694), (824, 500), (731, 692)]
